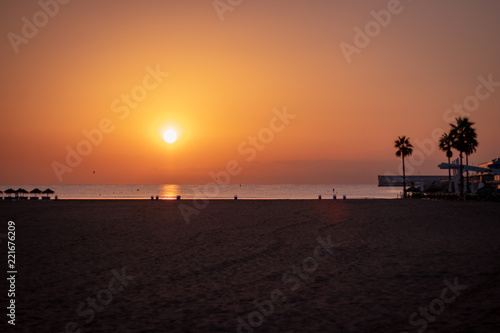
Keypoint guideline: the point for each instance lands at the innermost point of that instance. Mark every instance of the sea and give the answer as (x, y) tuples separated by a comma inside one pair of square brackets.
[(214, 191)]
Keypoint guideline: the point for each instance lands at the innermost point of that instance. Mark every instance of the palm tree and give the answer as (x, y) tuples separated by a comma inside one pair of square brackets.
[(445, 144), (470, 143), (463, 137), (405, 148)]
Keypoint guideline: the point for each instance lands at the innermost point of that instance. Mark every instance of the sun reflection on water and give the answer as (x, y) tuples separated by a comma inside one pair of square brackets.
[(170, 191)]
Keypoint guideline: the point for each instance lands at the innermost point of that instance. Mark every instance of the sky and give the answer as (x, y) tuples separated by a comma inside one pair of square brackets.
[(266, 92)]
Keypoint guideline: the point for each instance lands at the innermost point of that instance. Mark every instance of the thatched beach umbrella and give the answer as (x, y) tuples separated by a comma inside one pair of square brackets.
[(9, 191), (21, 191), (48, 191), (36, 191)]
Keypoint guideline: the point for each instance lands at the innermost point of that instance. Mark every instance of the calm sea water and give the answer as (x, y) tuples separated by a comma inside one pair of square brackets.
[(170, 191)]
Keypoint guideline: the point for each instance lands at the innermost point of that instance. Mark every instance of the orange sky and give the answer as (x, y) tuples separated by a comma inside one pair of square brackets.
[(228, 78)]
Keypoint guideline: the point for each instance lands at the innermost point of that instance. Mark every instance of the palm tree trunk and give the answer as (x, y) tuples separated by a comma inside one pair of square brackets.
[(449, 174), (404, 178), (467, 163), (461, 175)]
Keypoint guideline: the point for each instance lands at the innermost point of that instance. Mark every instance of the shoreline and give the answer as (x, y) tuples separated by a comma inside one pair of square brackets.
[(201, 198), (242, 199), (216, 191)]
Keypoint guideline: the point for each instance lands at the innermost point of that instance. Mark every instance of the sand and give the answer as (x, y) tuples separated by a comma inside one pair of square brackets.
[(137, 266)]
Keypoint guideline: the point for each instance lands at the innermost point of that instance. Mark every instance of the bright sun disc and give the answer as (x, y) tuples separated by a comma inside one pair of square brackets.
[(170, 136)]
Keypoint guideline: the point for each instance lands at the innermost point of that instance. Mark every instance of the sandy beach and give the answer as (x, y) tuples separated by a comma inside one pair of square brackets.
[(255, 266)]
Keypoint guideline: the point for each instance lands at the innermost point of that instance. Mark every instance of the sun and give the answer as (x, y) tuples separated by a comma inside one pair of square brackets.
[(170, 136)]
